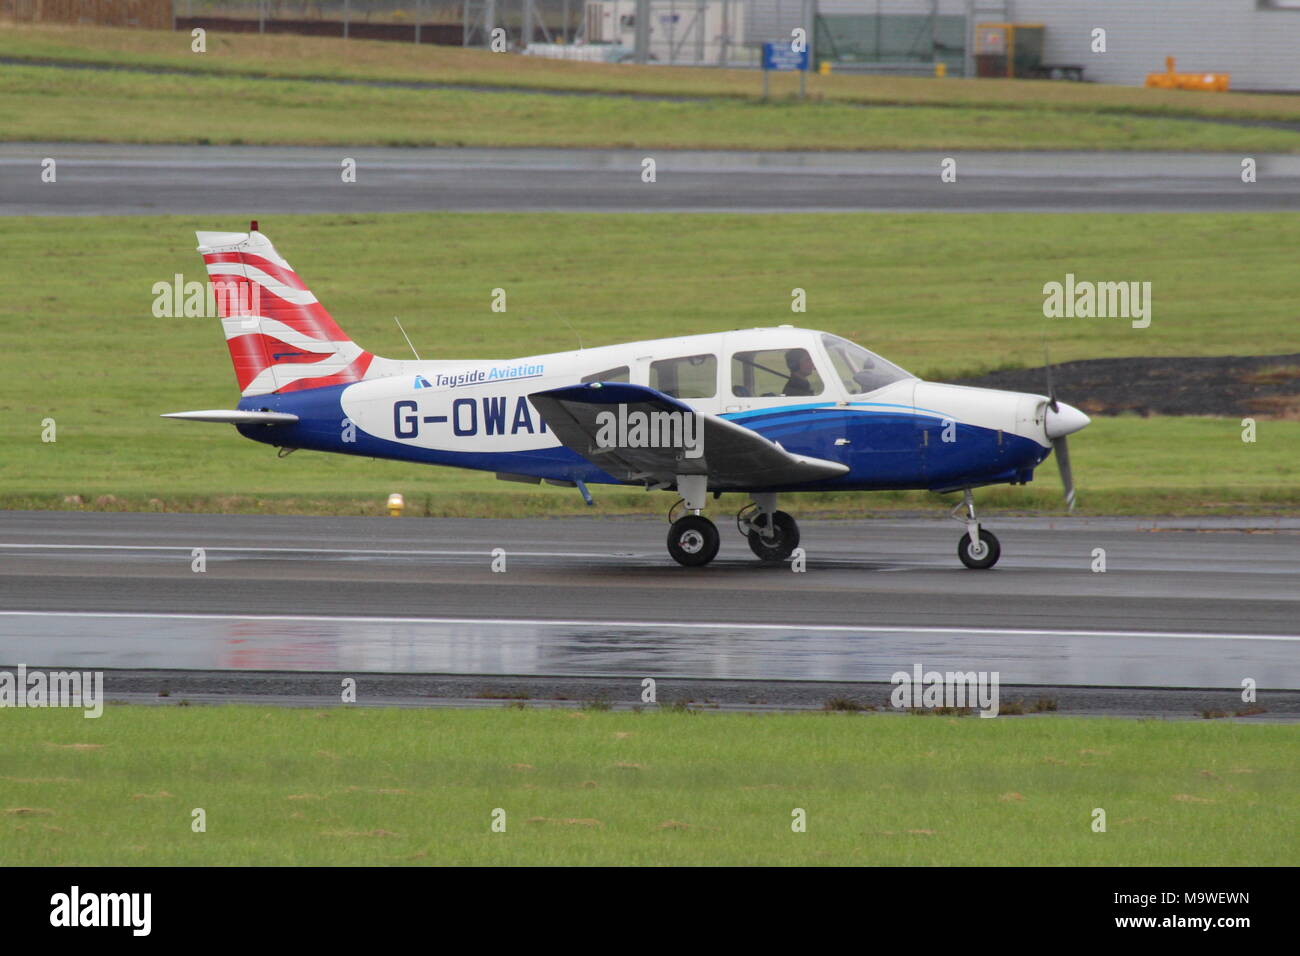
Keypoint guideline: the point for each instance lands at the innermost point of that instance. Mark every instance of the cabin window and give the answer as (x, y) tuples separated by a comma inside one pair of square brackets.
[(774, 372), (619, 374), (860, 370), (691, 376)]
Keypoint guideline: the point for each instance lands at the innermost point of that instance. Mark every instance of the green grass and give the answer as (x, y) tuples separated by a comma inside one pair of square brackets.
[(365, 787), (938, 294), (1124, 465), (270, 78), (288, 56), (38, 104)]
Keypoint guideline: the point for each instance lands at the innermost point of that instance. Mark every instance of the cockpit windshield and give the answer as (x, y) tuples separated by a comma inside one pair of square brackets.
[(860, 370)]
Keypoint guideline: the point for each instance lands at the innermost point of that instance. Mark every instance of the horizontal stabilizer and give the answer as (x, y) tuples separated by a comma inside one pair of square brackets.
[(236, 417)]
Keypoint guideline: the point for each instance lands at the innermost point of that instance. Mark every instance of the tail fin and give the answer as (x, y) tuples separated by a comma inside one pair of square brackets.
[(281, 339)]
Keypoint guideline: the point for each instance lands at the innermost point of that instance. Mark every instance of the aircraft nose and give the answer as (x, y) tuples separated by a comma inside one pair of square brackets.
[(1065, 420)]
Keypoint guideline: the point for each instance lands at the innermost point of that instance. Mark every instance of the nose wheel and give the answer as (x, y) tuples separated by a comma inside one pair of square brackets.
[(981, 555), (773, 537), (978, 549), (693, 541)]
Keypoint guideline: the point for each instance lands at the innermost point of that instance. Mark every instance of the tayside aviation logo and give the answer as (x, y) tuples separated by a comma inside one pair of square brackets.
[(497, 373)]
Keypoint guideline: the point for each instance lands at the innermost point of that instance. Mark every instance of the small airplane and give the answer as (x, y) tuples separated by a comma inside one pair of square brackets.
[(759, 411)]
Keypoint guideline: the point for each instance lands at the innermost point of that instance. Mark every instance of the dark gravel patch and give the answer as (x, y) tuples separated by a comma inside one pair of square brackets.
[(1261, 386), (321, 690)]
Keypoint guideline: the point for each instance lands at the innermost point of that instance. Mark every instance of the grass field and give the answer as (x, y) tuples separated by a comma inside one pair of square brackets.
[(299, 56), (269, 77), (943, 296), (355, 787), (39, 104)]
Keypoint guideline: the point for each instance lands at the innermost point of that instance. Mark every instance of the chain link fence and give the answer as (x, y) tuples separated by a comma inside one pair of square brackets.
[(731, 33), (680, 32), (910, 36), (415, 21)]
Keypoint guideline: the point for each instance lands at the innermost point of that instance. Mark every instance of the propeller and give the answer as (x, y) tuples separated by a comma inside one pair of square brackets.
[(1061, 448), (1061, 420)]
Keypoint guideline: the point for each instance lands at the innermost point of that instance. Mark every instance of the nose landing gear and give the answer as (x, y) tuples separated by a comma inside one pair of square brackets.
[(978, 549), (772, 535)]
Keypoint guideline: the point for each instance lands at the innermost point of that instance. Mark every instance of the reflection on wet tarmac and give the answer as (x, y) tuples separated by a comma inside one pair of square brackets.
[(637, 649)]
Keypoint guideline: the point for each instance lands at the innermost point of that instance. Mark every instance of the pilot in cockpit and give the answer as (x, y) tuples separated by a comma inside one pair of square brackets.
[(800, 364)]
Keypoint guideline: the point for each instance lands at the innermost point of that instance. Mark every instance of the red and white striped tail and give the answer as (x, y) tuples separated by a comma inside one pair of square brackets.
[(281, 339)]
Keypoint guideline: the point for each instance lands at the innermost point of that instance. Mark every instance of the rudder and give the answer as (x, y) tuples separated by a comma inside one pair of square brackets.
[(281, 339)]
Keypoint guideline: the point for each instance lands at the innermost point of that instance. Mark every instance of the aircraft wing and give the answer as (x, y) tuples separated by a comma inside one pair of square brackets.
[(731, 455)]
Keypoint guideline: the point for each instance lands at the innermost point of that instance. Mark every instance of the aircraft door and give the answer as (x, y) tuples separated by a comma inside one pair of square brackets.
[(881, 436)]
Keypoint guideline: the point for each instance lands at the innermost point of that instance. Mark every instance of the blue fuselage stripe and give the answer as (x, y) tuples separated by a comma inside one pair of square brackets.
[(884, 446)]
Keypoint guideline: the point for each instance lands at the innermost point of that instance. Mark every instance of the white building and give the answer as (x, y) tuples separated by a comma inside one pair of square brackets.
[(681, 31), (1256, 41)]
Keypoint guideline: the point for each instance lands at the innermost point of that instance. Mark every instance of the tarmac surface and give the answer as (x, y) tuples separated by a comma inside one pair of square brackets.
[(589, 607), (103, 179)]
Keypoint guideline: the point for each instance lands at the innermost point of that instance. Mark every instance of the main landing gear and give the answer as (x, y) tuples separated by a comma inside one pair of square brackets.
[(773, 535), (978, 549), (693, 539)]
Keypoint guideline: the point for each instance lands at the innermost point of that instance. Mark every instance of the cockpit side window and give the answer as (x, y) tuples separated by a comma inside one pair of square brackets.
[(691, 376), (773, 372), (861, 371)]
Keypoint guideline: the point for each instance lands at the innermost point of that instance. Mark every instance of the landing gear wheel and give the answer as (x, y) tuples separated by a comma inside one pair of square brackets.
[(693, 541), (981, 556), (783, 542)]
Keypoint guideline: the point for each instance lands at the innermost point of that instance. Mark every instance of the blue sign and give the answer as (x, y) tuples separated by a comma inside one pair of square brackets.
[(779, 56)]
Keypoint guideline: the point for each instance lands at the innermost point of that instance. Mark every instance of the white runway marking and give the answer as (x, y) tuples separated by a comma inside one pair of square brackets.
[(308, 549), (665, 625)]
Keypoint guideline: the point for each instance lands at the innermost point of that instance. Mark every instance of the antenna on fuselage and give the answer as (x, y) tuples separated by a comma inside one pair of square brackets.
[(573, 330), (408, 340), (547, 315)]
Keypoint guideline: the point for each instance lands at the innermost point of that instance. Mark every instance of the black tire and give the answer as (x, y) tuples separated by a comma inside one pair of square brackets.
[(693, 541), (978, 562), (782, 545)]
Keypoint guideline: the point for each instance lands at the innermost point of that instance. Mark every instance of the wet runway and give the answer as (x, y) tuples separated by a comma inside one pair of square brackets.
[(100, 179), (1192, 603)]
